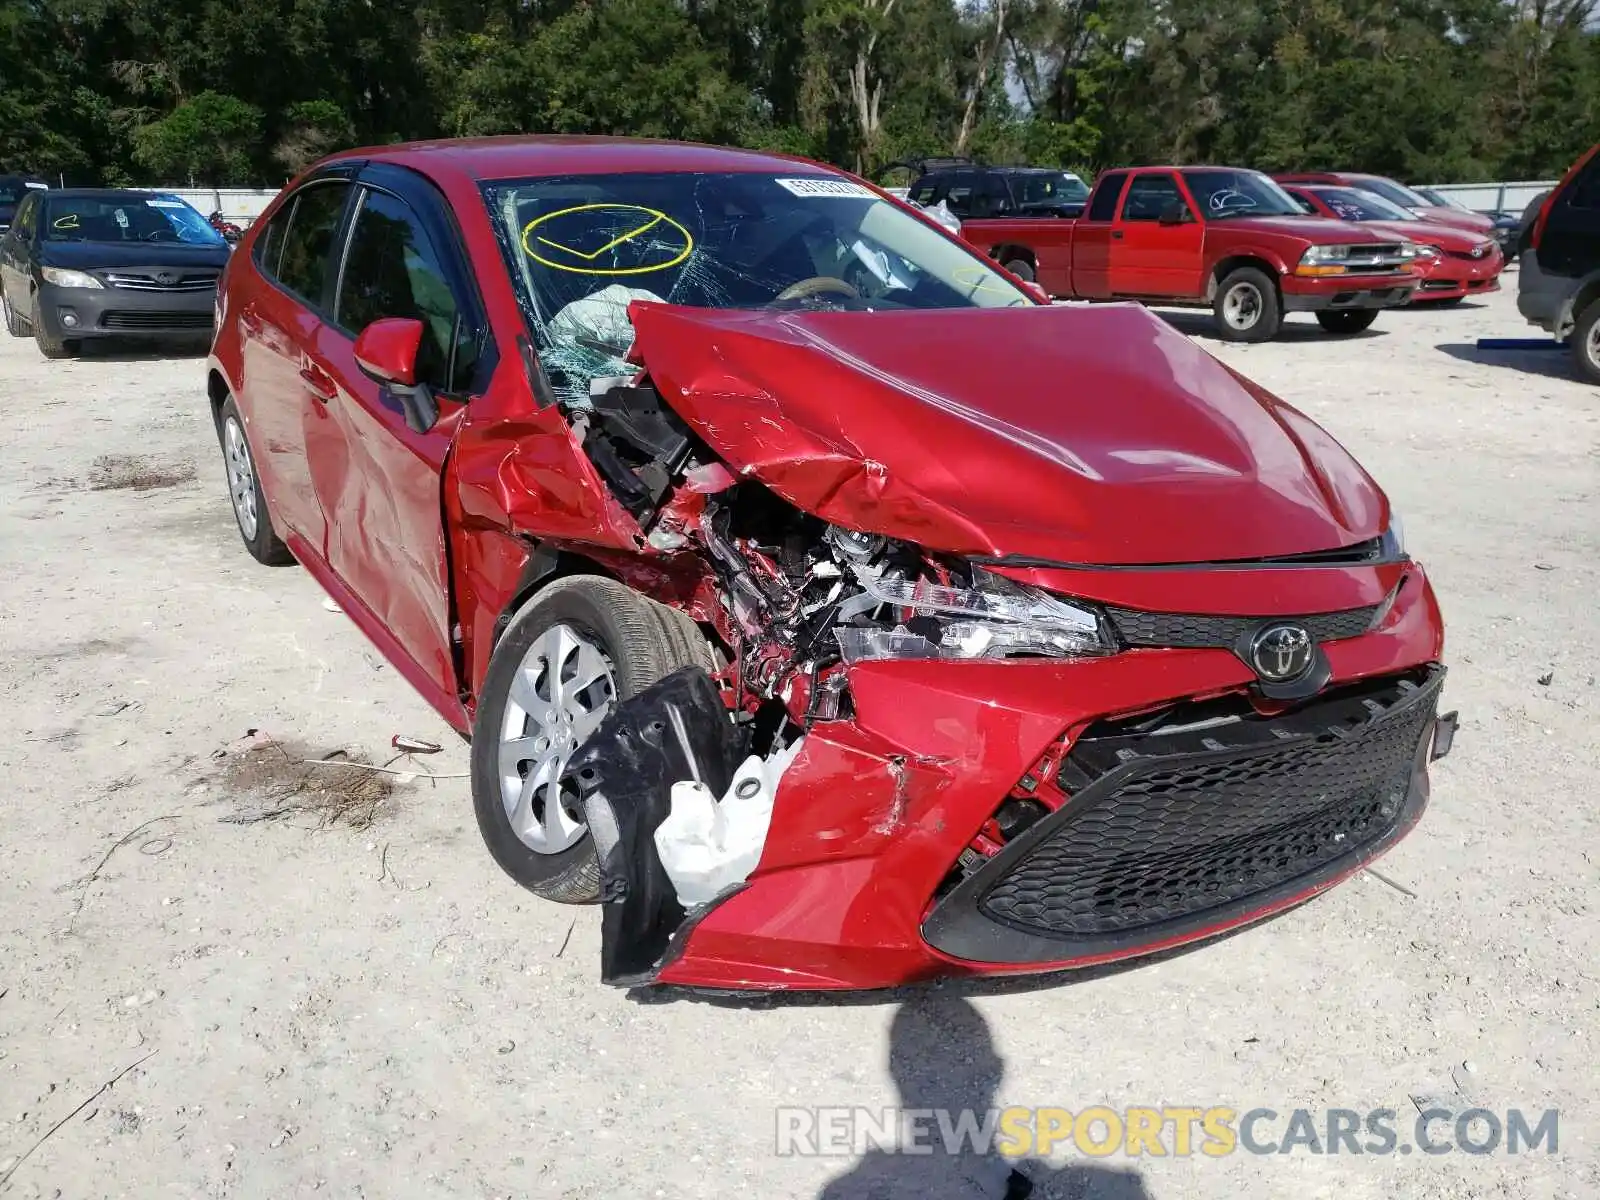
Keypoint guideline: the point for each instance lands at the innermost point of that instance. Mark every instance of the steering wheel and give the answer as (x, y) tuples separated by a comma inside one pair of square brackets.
[(817, 285)]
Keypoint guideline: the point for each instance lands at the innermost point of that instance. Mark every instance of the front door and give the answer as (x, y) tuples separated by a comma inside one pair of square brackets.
[(279, 326), (1151, 258), (377, 480)]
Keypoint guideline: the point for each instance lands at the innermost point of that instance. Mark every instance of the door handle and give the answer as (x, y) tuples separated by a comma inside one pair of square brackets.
[(318, 382), (1117, 233)]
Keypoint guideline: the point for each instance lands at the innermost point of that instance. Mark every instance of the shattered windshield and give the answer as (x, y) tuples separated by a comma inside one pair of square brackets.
[(582, 248)]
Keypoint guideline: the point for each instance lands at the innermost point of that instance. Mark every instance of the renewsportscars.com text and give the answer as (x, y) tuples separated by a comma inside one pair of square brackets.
[(1167, 1131)]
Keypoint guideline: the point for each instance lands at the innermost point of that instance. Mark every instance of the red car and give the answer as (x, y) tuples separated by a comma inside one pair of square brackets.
[(830, 609), (1398, 194), (1453, 263), (1222, 238)]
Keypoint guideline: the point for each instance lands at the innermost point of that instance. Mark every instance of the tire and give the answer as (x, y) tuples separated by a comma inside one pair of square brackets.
[(244, 490), (1347, 320), (1246, 306), (15, 325), (638, 642), (54, 347), (1586, 342), (1021, 268)]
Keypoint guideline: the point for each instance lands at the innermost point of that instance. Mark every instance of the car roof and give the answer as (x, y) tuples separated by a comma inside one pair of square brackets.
[(514, 157), (88, 193)]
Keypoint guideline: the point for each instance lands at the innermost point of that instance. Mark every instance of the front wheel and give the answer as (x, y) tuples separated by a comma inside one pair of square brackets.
[(1246, 307), (1586, 342), (582, 645), (54, 347), (1347, 320)]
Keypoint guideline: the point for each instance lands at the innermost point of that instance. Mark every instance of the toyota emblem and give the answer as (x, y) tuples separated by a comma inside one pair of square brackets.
[(166, 278), (1281, 652)]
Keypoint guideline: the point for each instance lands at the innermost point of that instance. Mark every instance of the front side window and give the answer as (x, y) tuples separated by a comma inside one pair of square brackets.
[(1049, 189), (580, 248), (157, 219), (392, 270), (1149, 196), (306, 260), (1222, 193)]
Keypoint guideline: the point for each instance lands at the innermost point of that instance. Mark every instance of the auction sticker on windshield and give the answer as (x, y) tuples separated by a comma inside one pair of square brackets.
[(835, 188)]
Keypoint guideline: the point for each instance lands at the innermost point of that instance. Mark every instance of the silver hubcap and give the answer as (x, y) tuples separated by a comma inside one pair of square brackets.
[(241, 477), (1241, 308), (1592, 344), (561, 692)]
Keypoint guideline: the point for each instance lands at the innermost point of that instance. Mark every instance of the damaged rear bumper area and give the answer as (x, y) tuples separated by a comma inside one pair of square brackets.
[(972, 819)]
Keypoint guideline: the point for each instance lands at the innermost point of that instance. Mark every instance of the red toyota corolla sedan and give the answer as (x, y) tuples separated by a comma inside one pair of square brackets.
[(1453, 263), (831, 610)]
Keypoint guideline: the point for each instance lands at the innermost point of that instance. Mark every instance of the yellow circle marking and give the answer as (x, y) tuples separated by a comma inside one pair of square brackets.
[(650, 219), (980, 279)]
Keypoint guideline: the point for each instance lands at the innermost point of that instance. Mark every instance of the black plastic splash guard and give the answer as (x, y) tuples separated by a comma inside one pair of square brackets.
[(678, 729)]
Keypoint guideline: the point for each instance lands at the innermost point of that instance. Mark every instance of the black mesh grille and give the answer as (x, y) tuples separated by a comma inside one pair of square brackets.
[(1181, 834), (1191, 632), (137, 319)]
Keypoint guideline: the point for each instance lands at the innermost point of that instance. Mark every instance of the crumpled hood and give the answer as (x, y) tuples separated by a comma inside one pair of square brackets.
[(1078, 435)]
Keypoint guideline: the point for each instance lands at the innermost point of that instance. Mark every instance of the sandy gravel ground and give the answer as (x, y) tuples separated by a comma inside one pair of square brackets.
[(327, 987)]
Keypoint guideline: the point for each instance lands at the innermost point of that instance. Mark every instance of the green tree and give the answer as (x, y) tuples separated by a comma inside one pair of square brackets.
[(211, 139)]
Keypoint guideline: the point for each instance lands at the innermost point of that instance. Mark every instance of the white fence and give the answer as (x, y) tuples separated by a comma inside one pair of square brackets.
[(239, 205), (1495, 197)]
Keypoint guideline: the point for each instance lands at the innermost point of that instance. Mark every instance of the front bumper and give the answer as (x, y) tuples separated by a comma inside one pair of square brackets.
[(859, 881), (1319, 294), (1169, 835), (124, 312)]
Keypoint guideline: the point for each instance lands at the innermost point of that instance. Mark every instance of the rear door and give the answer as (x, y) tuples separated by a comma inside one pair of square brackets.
[(1570, 243), (278, 328), (377, 480), (1092, 237), (1150, 258)]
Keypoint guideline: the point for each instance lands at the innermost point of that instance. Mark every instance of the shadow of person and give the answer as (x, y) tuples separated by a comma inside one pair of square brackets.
[(943, 1060)]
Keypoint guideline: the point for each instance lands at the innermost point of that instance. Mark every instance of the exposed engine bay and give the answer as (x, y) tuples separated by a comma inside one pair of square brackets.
[(797, 597)]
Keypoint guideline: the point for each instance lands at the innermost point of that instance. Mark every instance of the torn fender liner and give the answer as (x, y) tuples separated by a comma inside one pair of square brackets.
[(678, 729)]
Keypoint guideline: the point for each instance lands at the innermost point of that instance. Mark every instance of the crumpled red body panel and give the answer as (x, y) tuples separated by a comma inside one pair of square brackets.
[(1095, 435)]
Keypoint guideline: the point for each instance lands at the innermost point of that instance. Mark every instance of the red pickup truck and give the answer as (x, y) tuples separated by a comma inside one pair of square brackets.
[(1218, 237)]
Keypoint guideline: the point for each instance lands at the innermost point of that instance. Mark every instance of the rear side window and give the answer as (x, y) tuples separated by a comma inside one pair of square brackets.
[(1103, 206), (926, 187), (393, 270), (306, 258)]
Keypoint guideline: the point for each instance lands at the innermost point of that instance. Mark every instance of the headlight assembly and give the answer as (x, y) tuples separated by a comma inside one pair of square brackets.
[(62, 277), (995, 618)]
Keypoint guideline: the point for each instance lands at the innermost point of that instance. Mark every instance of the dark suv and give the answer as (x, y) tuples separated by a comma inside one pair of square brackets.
[(969, 190), (1558, 287)]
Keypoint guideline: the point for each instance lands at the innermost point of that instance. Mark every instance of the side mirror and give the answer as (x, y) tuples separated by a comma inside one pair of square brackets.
[(1176, 213), (387, 351)]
